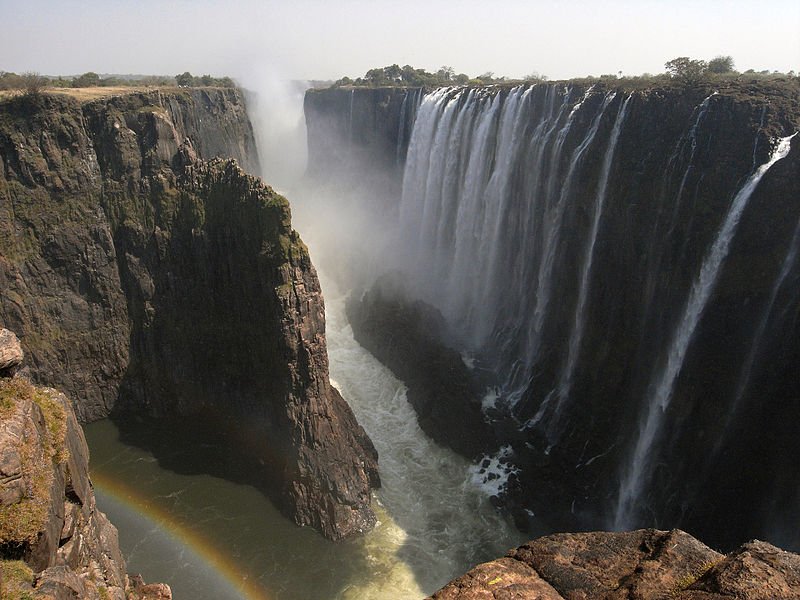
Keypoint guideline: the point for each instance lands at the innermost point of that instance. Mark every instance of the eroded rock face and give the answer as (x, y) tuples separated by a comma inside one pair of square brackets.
[(637, 565), (49, 516), (11, 353), (143, 279)]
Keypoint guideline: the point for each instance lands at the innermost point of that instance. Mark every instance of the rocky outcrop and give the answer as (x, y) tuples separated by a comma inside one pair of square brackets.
[(54, 542), (637, 565), (143, 279), (406, 336), (11, 353)]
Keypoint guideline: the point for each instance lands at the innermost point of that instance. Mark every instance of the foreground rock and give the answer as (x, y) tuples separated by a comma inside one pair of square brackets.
[(639, 565), (54, 542)]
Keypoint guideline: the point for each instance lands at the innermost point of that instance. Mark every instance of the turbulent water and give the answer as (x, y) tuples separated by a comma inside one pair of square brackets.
[(435, 518), (435, 521)]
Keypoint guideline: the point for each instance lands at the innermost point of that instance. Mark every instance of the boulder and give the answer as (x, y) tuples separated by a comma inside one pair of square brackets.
[(11, 353), (635, 565)]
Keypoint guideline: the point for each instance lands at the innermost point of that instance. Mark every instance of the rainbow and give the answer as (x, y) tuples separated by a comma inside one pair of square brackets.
[(203, 546)]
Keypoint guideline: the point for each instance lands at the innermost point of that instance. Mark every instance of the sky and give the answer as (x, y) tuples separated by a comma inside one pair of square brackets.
[(328, 39)]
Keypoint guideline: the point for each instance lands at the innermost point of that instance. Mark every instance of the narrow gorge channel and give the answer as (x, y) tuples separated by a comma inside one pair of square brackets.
[(212, 538), (217, 539)]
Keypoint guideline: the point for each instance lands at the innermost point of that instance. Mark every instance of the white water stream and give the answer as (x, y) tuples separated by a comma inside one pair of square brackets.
[(639, 470)]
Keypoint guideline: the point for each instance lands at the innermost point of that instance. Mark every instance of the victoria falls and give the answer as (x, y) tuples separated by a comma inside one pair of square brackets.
[(412, 333)]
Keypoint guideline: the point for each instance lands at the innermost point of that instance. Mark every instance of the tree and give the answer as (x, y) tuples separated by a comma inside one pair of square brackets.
[(89, 79), (688, 71), (445, 73), (185, 79), (720, 64), (535, 76), (33, 83)]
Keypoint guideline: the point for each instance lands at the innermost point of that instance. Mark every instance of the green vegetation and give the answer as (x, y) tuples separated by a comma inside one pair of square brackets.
[(188, 80), (689, 72), (15, 580), (28, 82), (685, 71), (20, 523), (408, 76), (690, 579), (721, 64)]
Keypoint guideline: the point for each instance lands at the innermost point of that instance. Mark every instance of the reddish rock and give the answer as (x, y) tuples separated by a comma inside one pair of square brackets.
[(638, 565), (11, 354)]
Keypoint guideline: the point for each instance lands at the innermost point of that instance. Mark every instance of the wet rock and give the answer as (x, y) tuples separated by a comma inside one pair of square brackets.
[(406, 336), (147, 276)]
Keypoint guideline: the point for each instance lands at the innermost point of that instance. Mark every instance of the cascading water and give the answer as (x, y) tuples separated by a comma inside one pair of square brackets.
[(504, 156), (579, 320), (639, 466), (559, 232)]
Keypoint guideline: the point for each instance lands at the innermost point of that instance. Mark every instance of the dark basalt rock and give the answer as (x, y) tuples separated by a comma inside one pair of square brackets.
[(638, 565), (405, 335), (724, 465), (143, 280)]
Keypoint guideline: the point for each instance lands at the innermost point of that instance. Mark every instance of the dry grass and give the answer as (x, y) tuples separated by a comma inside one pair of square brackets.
[(15, 580), (93, 93), (90, 93), (22, 522)]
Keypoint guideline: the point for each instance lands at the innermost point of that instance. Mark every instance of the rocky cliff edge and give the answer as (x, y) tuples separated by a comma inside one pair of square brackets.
[(54, 542), (637, 565)]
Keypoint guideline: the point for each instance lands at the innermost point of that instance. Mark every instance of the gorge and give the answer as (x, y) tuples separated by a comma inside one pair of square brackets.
[(589, 292)]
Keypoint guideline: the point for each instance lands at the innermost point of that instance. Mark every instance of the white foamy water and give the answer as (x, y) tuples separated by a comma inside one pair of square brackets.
[(435, 516)]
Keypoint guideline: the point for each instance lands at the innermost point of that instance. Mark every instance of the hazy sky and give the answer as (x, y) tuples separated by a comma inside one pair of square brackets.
[(315, 39)]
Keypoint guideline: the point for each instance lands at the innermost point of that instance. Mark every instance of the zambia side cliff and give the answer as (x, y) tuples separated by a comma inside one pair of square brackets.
[(143, 278)]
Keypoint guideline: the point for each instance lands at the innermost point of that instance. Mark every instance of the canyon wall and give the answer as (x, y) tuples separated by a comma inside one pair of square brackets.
[(619, 267), (144, 280)]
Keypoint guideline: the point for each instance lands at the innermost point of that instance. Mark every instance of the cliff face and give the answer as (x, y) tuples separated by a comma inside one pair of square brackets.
[(48, 516), (143, 279), (359, 134), (61, 165), (621, 265)]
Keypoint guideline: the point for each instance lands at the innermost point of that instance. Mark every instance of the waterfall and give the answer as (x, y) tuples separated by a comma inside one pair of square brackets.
[(579, 319), (639, 469), (747, 368), (572, 240), (487, 170)]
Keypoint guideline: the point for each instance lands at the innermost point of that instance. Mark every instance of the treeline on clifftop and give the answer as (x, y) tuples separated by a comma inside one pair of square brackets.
[(684, 71), (31, 81)]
